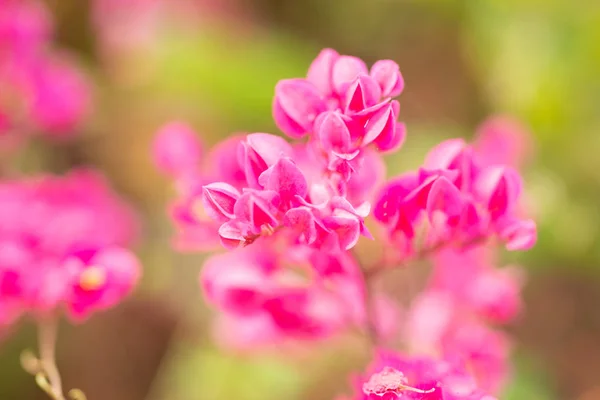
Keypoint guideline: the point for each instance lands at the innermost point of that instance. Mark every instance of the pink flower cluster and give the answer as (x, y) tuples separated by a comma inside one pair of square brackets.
[(43, 90), (291, 212), (62, 245)]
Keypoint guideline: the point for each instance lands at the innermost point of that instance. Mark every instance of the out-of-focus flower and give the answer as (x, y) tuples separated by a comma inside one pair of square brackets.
[(394, 376), (63, 243), (43, 91)]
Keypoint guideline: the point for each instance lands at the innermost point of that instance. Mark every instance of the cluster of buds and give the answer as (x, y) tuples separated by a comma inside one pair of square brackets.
[(43, 89), (290, 214)]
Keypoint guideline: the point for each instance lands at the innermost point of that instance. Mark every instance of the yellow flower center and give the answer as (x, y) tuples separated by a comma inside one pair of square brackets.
[(92, 278)]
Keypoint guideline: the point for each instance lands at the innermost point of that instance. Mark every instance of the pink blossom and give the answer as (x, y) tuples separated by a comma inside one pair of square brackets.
[(438, 325), (25, 26), (177, 149), (343, 108), (296, 105), (503, 140), (44, 91), (291, 212), (100, 283), (464, 200), (52, 230), (394, 376), (256, 284), (62, 97), (470, 278)]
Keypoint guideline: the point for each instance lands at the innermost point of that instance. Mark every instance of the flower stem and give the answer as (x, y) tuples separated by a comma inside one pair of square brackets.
[(47, 333)]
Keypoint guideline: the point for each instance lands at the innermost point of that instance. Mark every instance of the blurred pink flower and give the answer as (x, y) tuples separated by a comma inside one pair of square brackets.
[(52, 230)]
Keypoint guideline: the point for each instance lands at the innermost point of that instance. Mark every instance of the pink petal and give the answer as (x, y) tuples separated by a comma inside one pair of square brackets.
[(519, 234), (442, 155), (333, 133), (233, 234), (219, 199), (445, 197), (285, 178), (345, 70), (362, 93), (387, 74), (381, 127), (321, 69), (347, 229), (499, 188), (257, 208), (302, 221), (301, 102)]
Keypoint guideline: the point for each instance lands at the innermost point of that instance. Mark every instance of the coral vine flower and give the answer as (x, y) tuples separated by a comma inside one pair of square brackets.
[(290, 212), (42, 91), (62, 242), (398, 377), (463, 199), (343, 108)]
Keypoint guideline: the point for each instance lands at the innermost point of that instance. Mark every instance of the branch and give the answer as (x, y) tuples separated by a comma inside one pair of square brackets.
[(44, 368)]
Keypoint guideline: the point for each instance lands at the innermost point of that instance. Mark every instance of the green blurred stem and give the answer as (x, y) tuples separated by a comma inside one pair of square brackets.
[(47, 334)]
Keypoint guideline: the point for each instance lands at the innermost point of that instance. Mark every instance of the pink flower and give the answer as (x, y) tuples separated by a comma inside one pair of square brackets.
[(296, 105), (470, 278), (62, 97), (393, 376), (437, 324), (177, 149), (343, 108), (387, 74), (61, 241), (503, 141), (25, 26), (291, 212), (464, 200), (100, 283)]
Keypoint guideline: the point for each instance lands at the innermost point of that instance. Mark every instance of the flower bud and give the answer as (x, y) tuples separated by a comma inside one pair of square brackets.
[(321, 69), (345, 70), (219, 199), (177, 149), (296, 105), (387, 74)]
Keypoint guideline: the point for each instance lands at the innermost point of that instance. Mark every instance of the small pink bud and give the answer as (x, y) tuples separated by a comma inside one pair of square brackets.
[(296, 105), (321, 69), (176, 149), (445, 197), (387, 74), (258, 152), (395, 141), (444, 154), (499, 188), (381, 128), (233, 234), (219, 199), (519, 234), (62, 98), (345, 70), (362, 93)]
